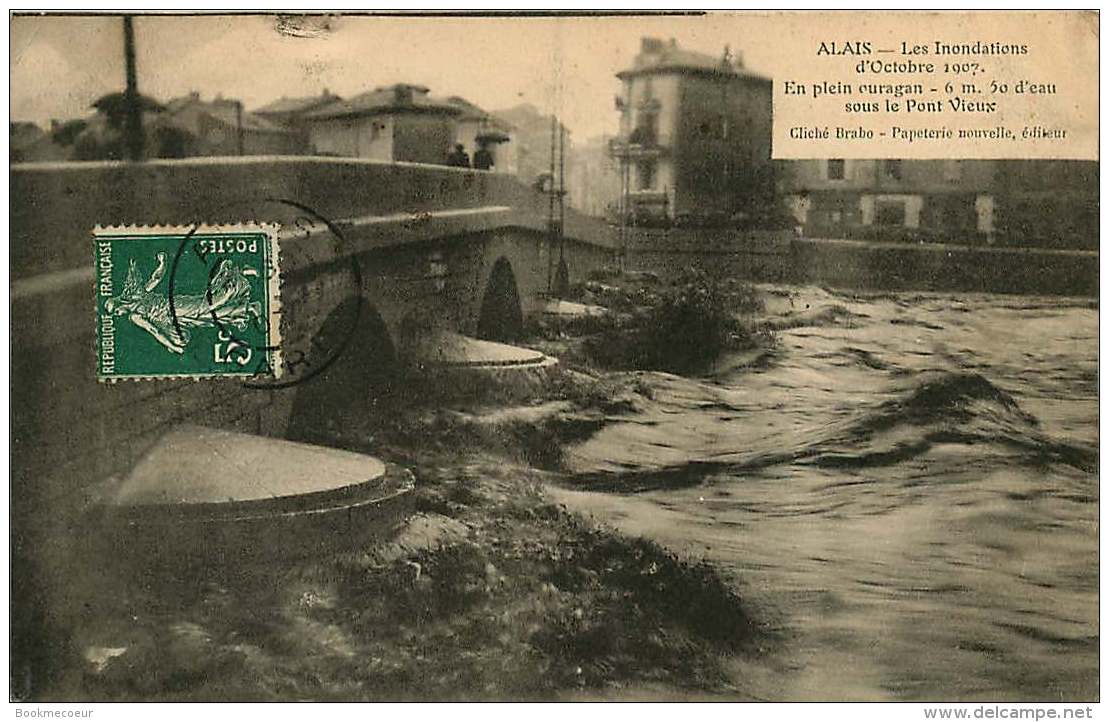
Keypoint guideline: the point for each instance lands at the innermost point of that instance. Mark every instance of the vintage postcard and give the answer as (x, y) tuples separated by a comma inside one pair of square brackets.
[(741, 356)]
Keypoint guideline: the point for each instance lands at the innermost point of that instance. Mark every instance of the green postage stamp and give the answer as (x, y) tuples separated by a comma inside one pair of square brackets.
[(187, 302)]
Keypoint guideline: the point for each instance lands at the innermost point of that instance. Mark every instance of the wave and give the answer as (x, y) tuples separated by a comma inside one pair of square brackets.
[(949, 408), (949, 396), (936, 408), (828, 315)]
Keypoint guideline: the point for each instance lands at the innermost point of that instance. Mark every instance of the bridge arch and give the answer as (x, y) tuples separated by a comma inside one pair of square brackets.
[(501, 315), (363, 373)]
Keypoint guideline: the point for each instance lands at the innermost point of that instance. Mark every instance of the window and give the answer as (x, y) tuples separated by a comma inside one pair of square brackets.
[(836, 169), (646, 170), (889, 213), (646, 128), (892, 169), (712, 126)]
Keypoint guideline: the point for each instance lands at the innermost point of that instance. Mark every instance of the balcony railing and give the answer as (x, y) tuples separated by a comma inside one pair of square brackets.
[(639, 148), (646, 197)]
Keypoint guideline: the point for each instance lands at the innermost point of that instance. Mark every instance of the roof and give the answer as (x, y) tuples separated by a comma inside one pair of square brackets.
[(27, 142), (224, 111), (474, 112), (284, 105), (659, 57), (229, 114), (400, 98), (23, 133)]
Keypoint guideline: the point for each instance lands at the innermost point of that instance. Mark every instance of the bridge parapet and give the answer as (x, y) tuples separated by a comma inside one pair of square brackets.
[(55, 205)]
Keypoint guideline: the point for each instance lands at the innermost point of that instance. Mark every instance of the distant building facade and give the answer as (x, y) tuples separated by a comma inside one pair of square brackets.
[(695, 134), (531, 142), (1048, 203), (694, 148), (892, 199), (593, 178), (190, 126), (1041, 203), (28, 143), (289, 113), (396, 123)]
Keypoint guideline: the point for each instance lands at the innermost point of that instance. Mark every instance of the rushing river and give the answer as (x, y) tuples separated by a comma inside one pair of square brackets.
[(905, 488)]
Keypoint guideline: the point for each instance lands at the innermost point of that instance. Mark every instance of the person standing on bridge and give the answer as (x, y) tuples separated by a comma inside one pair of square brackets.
[(459, 158), (483, 159)]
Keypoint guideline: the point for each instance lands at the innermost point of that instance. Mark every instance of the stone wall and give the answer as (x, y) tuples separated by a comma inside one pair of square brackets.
[(935, 267), (865, 265)]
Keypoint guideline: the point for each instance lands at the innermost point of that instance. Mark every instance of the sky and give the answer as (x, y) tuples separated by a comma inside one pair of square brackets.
[(59, 65)]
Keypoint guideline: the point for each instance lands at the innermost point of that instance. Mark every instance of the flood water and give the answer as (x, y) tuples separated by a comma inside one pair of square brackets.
[(905, 490)]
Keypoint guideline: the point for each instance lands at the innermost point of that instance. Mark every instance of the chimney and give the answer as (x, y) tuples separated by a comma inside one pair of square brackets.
[(402, 94), (651, 46), (194, 96)]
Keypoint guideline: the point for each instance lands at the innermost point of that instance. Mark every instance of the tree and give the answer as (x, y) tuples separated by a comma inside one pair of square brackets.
[(114, 107), (67, 132)]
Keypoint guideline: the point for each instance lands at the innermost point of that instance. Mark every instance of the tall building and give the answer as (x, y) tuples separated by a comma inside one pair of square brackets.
[(593, 178), (531, 142), (694, 149), (695, 135)]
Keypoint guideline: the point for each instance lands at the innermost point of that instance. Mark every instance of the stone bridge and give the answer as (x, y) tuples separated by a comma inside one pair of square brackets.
[(376, 259)]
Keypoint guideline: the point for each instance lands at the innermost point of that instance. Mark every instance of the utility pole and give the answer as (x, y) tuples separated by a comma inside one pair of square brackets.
[(133, 120), (239, 125), (561, 279), (561, 184), (729, 186), (622, 141), (551, 206)]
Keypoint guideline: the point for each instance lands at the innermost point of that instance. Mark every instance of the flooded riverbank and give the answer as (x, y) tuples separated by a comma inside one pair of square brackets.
[(908, 487), (885, 497)]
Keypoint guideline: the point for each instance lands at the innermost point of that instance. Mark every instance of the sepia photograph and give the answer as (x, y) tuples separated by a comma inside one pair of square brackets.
[(565, 356)]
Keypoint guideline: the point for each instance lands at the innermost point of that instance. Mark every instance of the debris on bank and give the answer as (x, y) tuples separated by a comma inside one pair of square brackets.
[(489, 592), (680, 326)]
